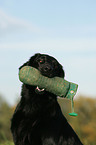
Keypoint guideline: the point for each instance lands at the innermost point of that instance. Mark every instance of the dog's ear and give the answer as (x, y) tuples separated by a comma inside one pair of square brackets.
[(31, 60), (61, 72), (34, 57)]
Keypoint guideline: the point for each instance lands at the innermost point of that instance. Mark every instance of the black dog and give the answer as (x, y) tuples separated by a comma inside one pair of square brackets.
[(38, 119)]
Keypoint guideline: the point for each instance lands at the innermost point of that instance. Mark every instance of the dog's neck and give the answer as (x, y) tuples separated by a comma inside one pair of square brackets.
[(38, 103)]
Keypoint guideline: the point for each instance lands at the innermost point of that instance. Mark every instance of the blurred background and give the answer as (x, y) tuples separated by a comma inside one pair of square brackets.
[(63, 29)]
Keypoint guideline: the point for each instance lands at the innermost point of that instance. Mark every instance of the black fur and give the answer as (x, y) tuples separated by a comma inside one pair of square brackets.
[(38, 119)]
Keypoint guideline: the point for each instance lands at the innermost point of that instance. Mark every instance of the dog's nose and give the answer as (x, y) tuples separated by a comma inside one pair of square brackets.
[(47, 68)]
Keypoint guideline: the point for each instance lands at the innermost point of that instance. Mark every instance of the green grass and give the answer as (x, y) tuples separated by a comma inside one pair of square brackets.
[(7, 143)]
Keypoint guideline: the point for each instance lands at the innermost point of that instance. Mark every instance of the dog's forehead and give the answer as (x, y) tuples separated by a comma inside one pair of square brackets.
[(47, 57)]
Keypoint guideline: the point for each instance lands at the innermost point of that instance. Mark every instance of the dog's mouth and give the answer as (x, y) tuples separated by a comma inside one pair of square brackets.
[(39, 90)]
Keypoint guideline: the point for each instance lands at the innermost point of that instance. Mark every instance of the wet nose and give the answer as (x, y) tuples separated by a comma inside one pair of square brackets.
[(47, 68)]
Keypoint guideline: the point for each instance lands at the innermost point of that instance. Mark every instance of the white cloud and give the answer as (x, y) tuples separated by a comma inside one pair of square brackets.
[(46, 39), (13, 24)]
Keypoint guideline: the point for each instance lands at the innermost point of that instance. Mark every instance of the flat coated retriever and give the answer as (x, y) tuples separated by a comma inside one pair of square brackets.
[(38, 119)]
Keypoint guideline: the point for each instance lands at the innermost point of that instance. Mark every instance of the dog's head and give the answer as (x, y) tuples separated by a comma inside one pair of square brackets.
[(47, 65)]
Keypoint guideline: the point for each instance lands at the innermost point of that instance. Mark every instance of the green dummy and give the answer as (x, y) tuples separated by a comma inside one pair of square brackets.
[(58, 86)]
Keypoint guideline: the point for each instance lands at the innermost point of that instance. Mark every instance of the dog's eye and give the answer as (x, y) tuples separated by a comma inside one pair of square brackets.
[(41, 61)]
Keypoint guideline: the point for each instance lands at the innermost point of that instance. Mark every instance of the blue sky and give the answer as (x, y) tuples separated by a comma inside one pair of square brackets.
[(63, 29)]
